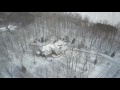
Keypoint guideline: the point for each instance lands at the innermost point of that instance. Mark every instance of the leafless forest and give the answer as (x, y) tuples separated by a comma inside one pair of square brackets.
[(91, 48)]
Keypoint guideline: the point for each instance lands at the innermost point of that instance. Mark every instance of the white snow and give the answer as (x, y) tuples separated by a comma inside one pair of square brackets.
[(60, 66), (70, 62), (2, 29), (38, 52), (58, 46), (47, 49), (12, 28)]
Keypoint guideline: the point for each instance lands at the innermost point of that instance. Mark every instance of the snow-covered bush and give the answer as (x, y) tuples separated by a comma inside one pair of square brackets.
[(2, 29), (12, 28)]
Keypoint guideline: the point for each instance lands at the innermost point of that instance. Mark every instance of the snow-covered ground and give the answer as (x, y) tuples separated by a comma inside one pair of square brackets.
[(2, 29), (9, 27), (70, 62), (68, 65)]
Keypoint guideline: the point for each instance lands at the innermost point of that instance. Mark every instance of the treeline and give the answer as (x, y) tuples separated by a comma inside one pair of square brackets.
[(100, 35), (17, 18), (59, 24), (94, 35)]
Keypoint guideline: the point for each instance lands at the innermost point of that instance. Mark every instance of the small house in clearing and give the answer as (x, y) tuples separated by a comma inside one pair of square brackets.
[(49, 49)]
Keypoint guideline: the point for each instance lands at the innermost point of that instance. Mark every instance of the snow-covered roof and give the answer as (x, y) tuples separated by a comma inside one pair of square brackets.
[(47, 49)]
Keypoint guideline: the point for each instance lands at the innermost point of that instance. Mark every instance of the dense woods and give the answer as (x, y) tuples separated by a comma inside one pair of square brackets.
[(100, 37)]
